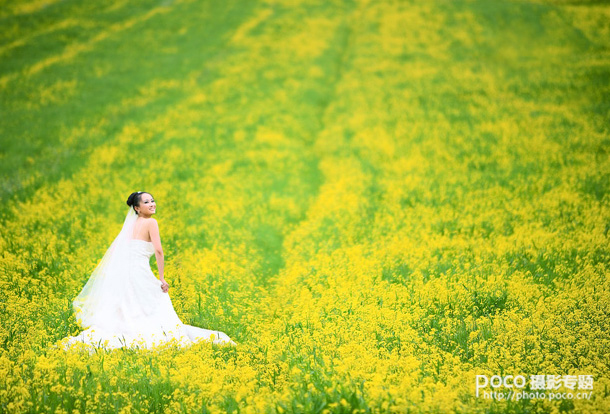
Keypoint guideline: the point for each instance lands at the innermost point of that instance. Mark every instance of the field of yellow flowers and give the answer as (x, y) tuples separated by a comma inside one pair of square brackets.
[(383, 202)]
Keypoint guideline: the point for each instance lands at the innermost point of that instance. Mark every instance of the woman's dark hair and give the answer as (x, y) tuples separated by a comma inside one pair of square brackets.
[(134, 199)]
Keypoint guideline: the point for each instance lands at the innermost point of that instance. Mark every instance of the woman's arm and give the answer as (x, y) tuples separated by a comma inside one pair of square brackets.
[(156, 241)]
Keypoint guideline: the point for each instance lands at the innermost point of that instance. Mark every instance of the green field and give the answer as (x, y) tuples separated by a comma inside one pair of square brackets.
[(378, 200)]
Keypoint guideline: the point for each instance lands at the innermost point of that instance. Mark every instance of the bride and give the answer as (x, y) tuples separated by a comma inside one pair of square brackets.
[(123, 304)]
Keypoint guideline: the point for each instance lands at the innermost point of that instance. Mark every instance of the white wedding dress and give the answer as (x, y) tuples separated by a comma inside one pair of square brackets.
[(123, 305)]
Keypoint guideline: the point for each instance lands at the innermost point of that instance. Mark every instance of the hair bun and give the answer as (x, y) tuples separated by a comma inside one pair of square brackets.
[(131, 199), (134, 198)]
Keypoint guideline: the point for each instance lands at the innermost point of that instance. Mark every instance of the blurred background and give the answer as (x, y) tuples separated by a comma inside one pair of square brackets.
[(379, 200)]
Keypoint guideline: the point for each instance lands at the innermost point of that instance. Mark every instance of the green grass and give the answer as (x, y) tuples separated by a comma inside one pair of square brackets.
[(377, 200)]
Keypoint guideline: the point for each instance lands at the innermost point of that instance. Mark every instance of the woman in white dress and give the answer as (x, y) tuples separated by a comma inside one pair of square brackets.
[(123, 304)]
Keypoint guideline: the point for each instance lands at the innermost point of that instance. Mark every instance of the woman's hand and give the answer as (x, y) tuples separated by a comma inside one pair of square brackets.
[(164, 286)]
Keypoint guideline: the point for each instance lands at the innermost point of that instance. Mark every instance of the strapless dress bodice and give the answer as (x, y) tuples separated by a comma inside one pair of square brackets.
[(142, 248)]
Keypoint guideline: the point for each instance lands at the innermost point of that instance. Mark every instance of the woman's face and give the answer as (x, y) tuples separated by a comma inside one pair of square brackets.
[(147, 205)]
